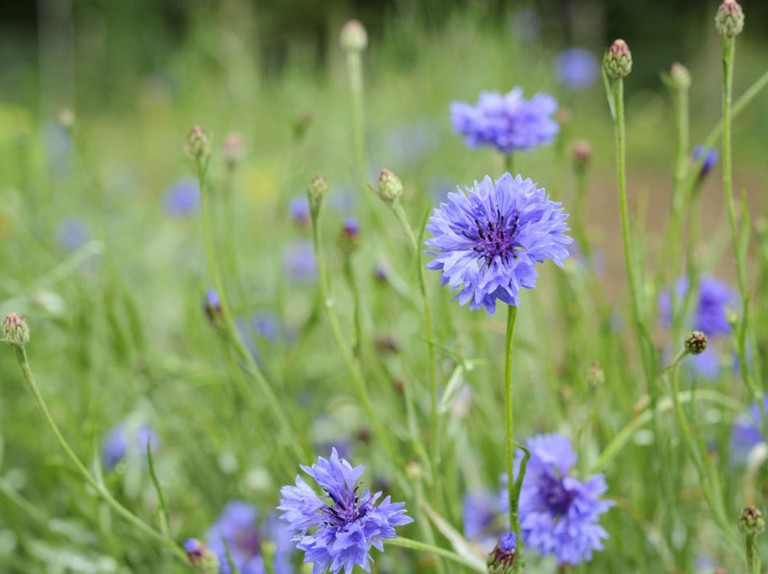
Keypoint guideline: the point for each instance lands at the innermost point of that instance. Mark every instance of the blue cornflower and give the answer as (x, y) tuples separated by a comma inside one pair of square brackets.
[(577, 68), (507, 122), (123, 441), (710, 159), (72, 234), (237, 529), (488, 240), (558, 513), (182, 197), (336, 531), (299, 209), (482, 515), (747, 433), (710, 316), (212, 305), (299, 261)]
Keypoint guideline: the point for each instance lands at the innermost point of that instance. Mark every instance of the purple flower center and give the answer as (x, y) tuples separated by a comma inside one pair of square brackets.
[(495, 237), (346, 509), (556, 496)]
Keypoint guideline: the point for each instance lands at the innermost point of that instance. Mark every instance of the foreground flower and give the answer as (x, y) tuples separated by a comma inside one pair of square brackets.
[(507, 122), (715, 298), (747, 433), (558, 513), (336, 531), (488, 240), (125, 442), (577, 68)]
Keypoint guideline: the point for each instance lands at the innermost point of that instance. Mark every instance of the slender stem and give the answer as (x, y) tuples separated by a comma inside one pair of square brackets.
[(346, 355), (355, 70), (475, 566), (231, 329), (26, 371), (514, 521), (349, 274), (509, 163), (753, 554)]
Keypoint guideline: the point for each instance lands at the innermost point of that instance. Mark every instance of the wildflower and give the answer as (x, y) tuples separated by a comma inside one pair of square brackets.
[(488, 240), (15, 329), (729, 19), (558, 513), (212, 305), (198, 144), (747, 433), (710, 159), (72, 234), (507, 122), (390, 187), (349, 238), (482, 519), (502, 559), (299, 261), (715, 298), (581, 152), (236, 530), (751, 521), (337, 530), (618, 60), (125, 442), (299, 209), (316, 191), (182, 197), (577, 68), (202, 559), (233, 150)]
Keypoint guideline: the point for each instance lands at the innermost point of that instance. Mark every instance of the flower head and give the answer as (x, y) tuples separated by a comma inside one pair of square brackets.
[(182, 197), (558, 513), (710, 159), (237, 530), (481, 519), (710, 317), (299, 262), (123, 441), (577, 68), (488, 240), (747, 433), (337, 530), (72, 234), (299, 209), (507, 122)]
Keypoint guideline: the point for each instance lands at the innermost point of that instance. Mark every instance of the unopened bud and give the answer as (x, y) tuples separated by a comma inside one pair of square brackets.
[(349, 239), (353, 37), (595, 375), (696, 343), (679, 77), (618, 60), (751, 521), (501, 560), (202, 559), (212, 306), (317, 190), (414, 471), (198, 144), (16, 330), (233, 149), (709, 161), (581, 152), (729, 19), (390, 187)]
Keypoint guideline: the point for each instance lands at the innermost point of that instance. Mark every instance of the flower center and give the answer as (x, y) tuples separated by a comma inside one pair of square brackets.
[(346, 509), (496, 237), (556, 496)]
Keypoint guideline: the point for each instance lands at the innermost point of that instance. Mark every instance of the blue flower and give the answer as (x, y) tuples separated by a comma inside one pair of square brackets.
[(577, 68), (299, 262), (337, 530), (488, 240), (299, 209), (558, 513), (237, 530), (182, 197), (747, 433), (710, 159), (72, 234), (123, 441), (507, 122), (714, 299), (482, 515)]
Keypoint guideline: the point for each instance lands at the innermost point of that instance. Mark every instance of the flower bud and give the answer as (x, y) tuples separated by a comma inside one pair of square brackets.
[(198, 144), (729, 19), (317, 190), (751, 521), (353, 37), (595, 375), (414, 472), (233, 150), (202, 559), (349, 239), (679, 77), (564, 116), (581, 152), (696, 343), (501, 560), (212, 306), (618, 60), (710, 159), (16, 330), (390, 187)]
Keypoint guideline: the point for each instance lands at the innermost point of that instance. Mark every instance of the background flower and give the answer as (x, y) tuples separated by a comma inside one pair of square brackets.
[(577, 68)]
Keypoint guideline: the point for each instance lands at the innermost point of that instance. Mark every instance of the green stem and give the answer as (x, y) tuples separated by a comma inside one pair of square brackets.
[(753, 555), (355, 70), (346, 355), (514, 520), (509, 163), (231, 329), (21, 358), (349, 274), (475, 566)]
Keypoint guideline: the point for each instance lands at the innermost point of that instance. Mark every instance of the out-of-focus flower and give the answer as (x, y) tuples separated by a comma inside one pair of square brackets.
[(715, 298), (747, 433), (487, 241), (710, 159), (483, 520), (299, 209), (124, 442), (577, 68), (182, 197), (299, 262), (72, 234), (336, 531), (507, 122)]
